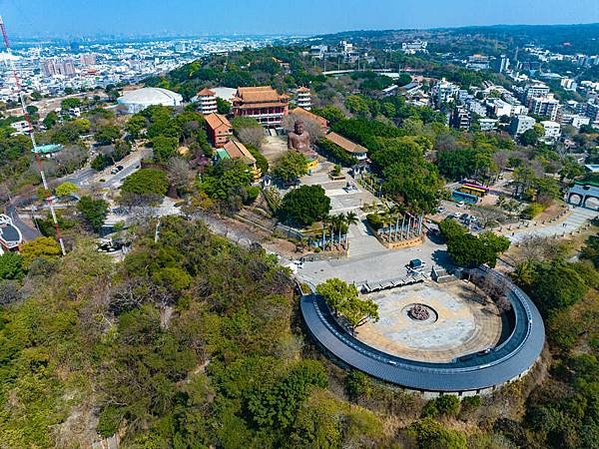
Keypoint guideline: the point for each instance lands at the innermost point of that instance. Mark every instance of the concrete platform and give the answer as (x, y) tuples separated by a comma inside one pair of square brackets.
[(465, 322)]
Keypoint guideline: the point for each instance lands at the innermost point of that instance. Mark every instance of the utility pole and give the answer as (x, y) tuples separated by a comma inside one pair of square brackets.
[(49, 197)]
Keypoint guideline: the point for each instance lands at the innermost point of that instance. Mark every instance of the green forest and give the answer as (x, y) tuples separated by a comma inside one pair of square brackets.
[(193, 342)]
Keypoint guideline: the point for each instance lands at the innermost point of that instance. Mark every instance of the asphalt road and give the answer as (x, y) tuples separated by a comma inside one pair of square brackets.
[(27, 232)]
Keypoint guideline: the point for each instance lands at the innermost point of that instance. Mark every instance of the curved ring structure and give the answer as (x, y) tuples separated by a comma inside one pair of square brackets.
[(476, 373)]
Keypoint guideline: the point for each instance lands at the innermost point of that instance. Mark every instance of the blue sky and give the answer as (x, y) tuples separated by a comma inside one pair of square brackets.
[(88, 17)]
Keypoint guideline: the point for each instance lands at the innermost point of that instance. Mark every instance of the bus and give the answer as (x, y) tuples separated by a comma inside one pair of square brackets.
[(474, 189)]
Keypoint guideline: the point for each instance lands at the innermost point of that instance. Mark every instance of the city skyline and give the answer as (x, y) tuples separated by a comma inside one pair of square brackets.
[(148, 17)]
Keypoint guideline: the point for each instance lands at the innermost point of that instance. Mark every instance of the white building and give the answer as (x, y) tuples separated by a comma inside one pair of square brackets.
[(545, 107), (21, 127), (519, 109), (568, 84), (552, 130), (487, 124), (134, 101), (414, 47), (576, 120), (445, 92), (206, 102), (535, 90), (10, 235), (499, 108), (304, 98), (476, 107), (504, 64), (521, 123)]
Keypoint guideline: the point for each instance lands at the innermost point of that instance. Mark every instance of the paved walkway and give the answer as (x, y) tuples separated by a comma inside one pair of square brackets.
[(464, 323), (575, 221)]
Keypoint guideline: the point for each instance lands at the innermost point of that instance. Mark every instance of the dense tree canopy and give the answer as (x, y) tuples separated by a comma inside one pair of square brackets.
[(470, 251), (148, 183), (344, 300), (94, 211), (305, 205), (291, 166)]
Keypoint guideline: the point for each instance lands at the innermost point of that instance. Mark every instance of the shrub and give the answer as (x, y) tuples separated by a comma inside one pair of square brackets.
[(11, 266), (532, 210), (375, 221)]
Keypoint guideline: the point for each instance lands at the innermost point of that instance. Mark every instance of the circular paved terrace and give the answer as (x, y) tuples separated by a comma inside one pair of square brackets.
[(474, 372), (459, 321)]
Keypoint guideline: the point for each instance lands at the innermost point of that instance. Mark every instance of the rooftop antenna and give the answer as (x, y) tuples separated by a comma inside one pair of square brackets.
[(49, 198)]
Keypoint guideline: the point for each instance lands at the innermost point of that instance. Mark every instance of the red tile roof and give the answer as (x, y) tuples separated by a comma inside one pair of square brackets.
[(346, 144), (259, 94), (307, 115), (205, 92), (216, 121), (237, 150)]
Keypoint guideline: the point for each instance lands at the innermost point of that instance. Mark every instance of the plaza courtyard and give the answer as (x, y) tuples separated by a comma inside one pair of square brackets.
[(452, 320)]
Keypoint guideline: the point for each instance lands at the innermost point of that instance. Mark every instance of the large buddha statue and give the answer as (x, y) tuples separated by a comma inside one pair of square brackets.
[(299, 139)]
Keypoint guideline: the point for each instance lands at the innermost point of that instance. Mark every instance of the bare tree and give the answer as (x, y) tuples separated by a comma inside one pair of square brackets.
[(503, 304), (536, 248), (4, 193), (501, 158), (134, 292), (70, 159), (489, 215), (179, 174), (9, 292), (251, 136)]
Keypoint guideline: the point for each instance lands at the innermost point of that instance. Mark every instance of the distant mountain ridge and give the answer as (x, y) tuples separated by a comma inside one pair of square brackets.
[(572, 38)]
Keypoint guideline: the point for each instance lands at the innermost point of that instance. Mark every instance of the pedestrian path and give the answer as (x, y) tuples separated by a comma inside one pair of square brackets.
[(575, 221)]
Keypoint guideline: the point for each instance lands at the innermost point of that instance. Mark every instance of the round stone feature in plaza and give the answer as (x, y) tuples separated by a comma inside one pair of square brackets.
[(433, 322)]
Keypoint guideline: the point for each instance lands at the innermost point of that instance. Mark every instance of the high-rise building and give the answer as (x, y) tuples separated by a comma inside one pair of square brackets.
[(504, 64), (87, 59), (67, 68), (545, 107), (48, 68), (52, 67)]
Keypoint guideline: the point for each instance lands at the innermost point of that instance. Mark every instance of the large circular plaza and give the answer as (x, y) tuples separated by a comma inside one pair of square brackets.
[(433, 323), (437, 338)]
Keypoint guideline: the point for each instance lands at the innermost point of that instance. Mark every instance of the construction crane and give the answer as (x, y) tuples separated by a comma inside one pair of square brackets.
[(49, 197)]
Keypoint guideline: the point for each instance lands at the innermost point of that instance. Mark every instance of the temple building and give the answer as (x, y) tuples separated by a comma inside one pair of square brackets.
[(206, 100), (236, 150), (304, 98), (262, 103), (219, 129), (310, 116), (353, 149)]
